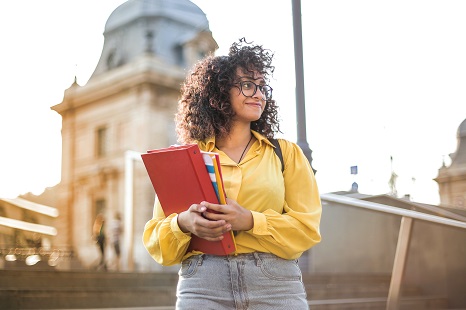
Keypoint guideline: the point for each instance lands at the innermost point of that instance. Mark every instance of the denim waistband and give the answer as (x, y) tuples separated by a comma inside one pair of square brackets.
[(255, 256)]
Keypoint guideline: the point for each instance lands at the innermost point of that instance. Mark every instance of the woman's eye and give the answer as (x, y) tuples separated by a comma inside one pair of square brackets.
[(247, 85)]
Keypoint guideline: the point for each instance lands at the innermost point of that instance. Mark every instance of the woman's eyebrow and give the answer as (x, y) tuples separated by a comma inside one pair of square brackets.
[(261, 79)]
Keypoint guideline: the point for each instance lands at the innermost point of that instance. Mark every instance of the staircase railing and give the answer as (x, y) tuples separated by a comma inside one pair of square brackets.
[(404, 236)]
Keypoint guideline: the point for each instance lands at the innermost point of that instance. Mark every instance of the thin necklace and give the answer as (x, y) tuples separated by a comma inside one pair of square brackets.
[(243, 150)]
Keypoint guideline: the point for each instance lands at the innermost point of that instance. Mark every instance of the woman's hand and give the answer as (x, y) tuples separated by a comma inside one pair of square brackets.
[(192, 220), (232, 213)]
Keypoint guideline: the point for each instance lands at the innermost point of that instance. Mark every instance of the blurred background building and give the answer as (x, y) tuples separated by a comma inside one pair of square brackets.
[(128, 104)]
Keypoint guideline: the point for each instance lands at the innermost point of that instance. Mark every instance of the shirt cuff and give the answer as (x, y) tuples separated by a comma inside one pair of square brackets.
[(260, 223), (179, 234)]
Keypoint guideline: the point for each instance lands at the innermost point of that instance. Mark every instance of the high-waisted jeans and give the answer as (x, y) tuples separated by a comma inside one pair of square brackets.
[(256, 281)]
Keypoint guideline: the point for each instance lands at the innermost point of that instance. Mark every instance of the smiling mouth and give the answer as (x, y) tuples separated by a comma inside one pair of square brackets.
[(255, 104)]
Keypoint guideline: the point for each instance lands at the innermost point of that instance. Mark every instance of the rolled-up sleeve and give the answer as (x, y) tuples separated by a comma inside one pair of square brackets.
[(296, 228)]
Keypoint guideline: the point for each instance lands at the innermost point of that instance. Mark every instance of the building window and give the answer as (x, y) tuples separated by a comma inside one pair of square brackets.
[(179, 57), (201, 54), (99, 207), (101, 142), (114, 59)]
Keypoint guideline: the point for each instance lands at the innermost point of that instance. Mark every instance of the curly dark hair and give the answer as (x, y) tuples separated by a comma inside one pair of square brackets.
[(205, 110)]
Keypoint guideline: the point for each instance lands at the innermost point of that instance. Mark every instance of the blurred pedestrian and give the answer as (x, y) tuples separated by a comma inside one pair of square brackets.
[(98, 232), (115, 231)]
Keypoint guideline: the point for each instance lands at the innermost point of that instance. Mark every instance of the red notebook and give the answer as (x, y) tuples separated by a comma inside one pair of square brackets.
[(180, 178)]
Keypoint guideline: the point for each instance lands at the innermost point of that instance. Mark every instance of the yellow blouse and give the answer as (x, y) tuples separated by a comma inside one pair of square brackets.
[(286, 207)]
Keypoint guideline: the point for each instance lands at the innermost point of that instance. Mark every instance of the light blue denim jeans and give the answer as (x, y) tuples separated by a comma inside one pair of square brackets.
[(256, 281)]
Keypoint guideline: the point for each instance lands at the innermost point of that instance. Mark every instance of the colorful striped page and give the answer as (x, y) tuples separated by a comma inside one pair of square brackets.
[(209, 163), (218, 184), (218, 176), (212, 161)]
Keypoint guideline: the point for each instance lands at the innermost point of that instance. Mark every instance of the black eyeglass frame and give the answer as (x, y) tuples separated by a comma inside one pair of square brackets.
[(261, 88)]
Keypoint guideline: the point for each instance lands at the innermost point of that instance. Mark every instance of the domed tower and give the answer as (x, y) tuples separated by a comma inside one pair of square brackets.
[(128, 104), (452, 179), (174, 31)]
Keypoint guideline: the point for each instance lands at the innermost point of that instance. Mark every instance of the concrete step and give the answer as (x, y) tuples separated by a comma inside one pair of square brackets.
[(26, 289), (139, 299), (413, 303), (59, 280), (380, 303), (332, 286), (23, 289), (96, 298)]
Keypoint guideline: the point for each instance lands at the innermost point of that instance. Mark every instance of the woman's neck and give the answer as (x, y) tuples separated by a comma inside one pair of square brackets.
[(238, 137), (236, 144)]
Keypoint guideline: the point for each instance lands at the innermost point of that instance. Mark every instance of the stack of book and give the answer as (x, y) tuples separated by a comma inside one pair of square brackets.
[(185, 175)]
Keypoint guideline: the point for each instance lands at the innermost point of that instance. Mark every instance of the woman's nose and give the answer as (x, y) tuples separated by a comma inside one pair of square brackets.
[(259, 94)]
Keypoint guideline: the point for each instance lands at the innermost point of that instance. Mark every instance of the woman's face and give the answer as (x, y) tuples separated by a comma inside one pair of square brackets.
[(249, 107)]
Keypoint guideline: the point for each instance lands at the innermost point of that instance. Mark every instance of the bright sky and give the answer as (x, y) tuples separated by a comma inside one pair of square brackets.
[(382, 78)]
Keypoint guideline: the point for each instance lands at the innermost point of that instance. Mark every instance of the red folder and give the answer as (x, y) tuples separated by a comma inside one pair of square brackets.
[(180, 178)]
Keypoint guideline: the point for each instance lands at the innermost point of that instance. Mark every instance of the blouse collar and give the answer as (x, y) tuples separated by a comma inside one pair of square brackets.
[(209, 144)]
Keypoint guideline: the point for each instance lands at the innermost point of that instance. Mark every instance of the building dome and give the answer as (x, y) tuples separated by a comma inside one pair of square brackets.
[(462, 130), (459, 157), (176, 32), (179, 10)]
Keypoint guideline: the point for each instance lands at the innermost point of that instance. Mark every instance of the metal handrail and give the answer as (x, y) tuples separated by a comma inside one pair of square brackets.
[(404, 236), (22, 225), (390, 209)]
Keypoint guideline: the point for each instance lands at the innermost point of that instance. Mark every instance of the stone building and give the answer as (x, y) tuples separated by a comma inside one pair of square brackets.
[(452, 179), (128, 104)]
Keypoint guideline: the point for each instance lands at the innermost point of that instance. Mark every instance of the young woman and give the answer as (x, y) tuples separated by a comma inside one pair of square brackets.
[(227, 107)]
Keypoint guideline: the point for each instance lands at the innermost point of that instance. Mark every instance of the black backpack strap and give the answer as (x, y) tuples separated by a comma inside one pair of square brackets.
[(278, 151)]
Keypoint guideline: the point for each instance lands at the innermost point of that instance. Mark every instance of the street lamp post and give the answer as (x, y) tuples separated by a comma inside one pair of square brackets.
[(300, 103)]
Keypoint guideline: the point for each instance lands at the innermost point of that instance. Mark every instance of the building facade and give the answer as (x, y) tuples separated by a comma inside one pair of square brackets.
[(128, 104)]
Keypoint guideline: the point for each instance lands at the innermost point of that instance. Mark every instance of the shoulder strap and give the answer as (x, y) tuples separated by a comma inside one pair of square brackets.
[(278, 151)]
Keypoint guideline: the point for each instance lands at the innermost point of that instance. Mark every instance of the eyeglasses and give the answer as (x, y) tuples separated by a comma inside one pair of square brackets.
[(249, 89)]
